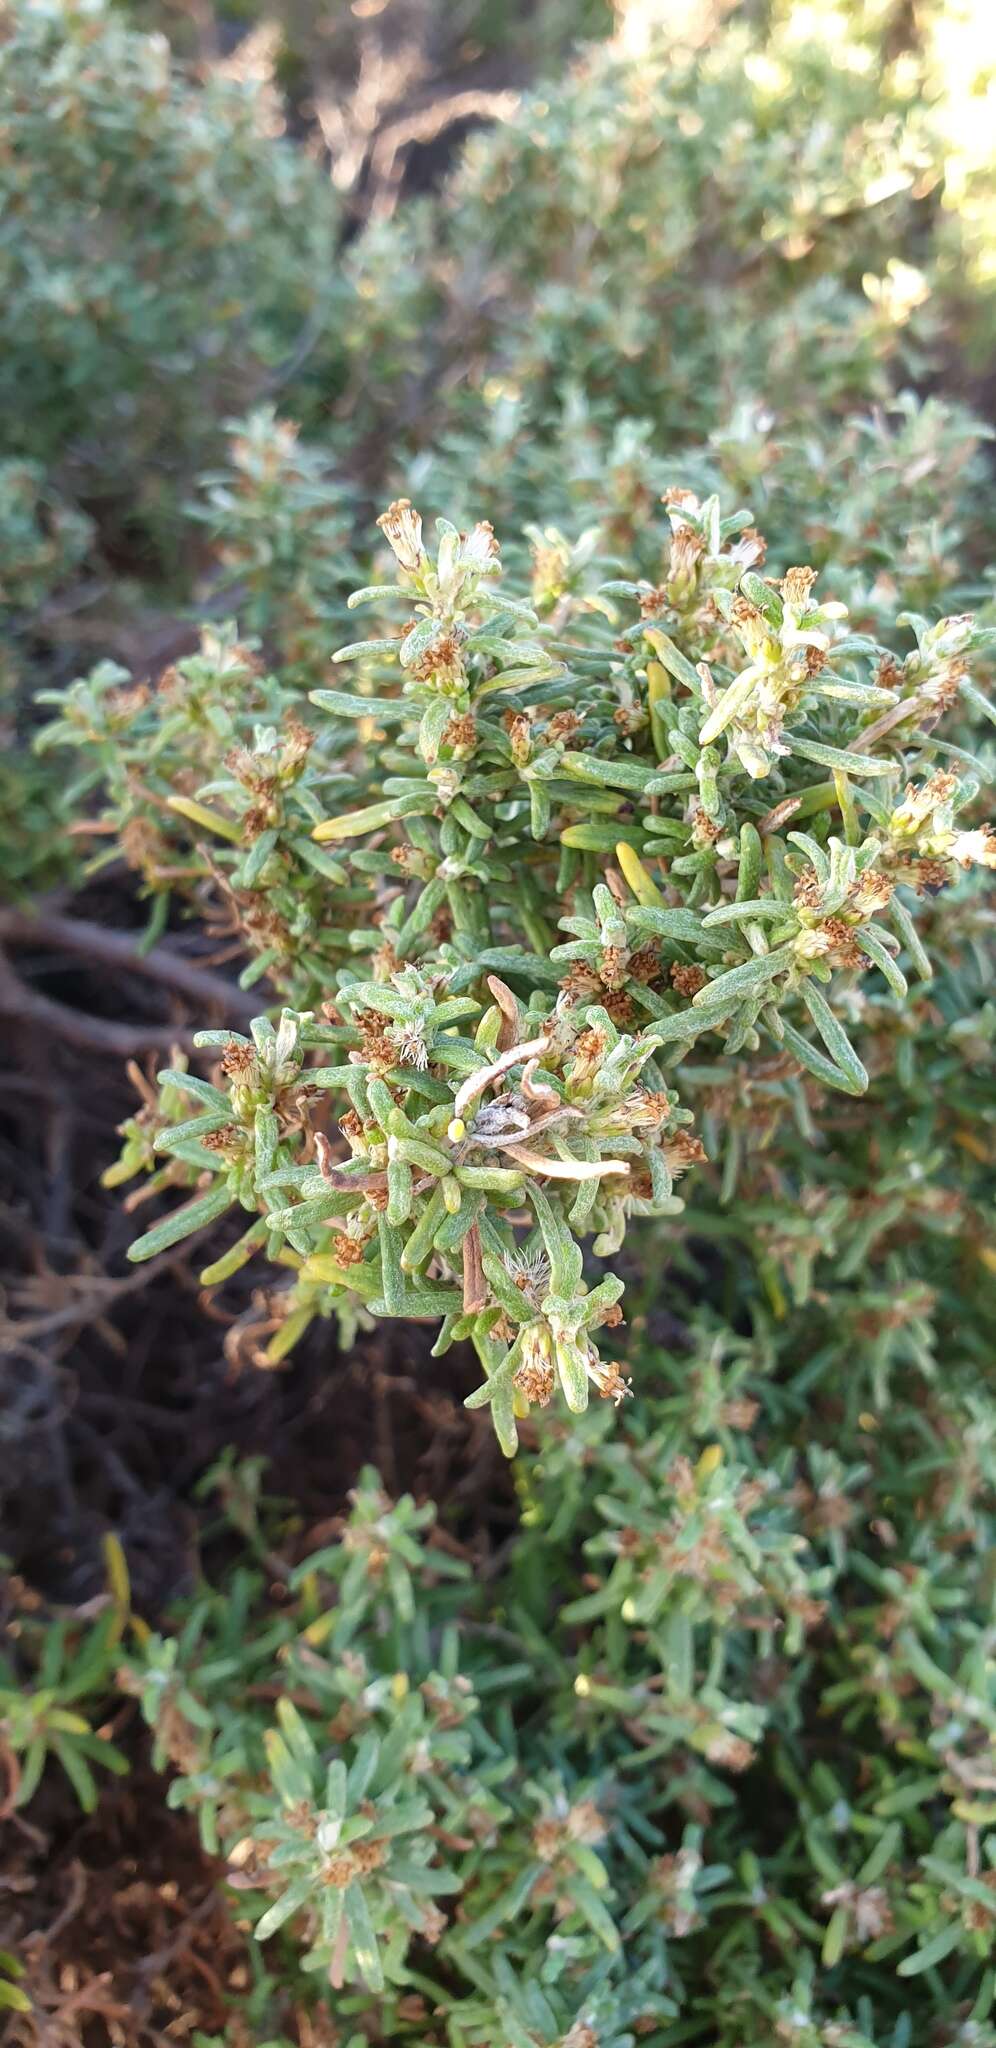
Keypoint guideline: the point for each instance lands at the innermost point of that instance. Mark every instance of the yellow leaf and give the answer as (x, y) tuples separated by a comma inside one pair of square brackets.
[(118, 1583), (642, 884), (199, 814)]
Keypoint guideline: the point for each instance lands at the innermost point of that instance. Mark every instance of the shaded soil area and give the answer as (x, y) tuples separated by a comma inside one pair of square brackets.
[(119, 1920)]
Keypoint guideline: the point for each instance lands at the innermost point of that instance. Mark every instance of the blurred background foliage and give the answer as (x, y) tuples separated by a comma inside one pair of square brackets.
[(738, 224)]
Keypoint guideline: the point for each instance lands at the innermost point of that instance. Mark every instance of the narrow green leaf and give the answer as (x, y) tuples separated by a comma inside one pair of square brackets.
[(182, 1223), (364, 1940), (671, 658), (743, 981), (290, 1901), (835, 757), (835, 1039), (873, 946), (932, 1952)]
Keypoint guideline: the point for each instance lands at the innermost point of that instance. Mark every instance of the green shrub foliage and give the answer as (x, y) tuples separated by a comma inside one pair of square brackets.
[(718, 1773), (546, 858), (615, 908), (702, 267), (158, 257), (745, 235), (58, 1667)]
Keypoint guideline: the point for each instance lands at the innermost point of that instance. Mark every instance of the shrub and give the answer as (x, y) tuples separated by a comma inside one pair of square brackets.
[(700, 266), (280, 528), (616, 927), (698, 168), (157, 258), (43, 542), (725, 802), (718, 1775), (889, 499), (745, 235)]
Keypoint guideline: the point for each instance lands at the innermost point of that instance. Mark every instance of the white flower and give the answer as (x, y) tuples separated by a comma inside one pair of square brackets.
[(975, 848), (410, 1041), (401, 526), (920, 803), (480, 550)]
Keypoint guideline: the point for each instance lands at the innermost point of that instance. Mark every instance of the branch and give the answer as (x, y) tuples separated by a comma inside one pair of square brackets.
[(120, 949), (103, 1293), (91, 1034)]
